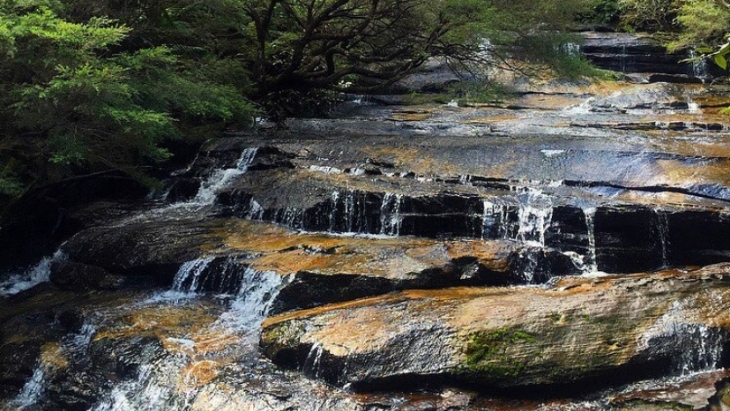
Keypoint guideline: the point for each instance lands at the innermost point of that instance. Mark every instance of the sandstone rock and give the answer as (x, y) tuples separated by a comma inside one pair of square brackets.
[(578, 334)]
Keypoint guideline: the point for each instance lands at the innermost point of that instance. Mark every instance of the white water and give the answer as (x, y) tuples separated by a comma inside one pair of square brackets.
[(390, 218), (187, 278), (39, 273), (32, 390), (158, 385), (313, 361), (663, 232), (495, 215), (210, 188), (699, 67), (701, 347), (591, 260), (535, 216), (255, 211)]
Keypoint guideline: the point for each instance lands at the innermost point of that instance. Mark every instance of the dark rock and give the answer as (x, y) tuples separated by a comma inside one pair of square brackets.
[(183, 189), (152, 252), (73, 276), (626, 239), (698, 237)]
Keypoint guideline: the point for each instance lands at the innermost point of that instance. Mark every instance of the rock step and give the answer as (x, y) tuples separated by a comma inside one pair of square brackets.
[(629, 53), (317, 268), (615, 238), (576, 335)]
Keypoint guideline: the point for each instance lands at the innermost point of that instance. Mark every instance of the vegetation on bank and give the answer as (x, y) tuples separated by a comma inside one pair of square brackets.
[(702, 25)]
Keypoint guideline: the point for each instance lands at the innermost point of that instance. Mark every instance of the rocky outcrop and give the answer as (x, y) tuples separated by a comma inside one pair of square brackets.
[(641, 53), (319, 268), (572, 335)]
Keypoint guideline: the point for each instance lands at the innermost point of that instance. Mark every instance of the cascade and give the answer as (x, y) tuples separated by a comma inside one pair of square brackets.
[(187, 279), (255, 211), (290, 217), (221, 178), (313, 361), (390, 218), (662, 225), (702, 348), (32, 390), (158, 386), (699, 66), (251, 305), (76, 344), (495, 220), (333, 212), (39, 273), (590, 261), (534, 217), (350, 204)]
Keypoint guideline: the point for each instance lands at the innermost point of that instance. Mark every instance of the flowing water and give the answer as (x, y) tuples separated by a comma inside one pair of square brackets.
[(12, 284)]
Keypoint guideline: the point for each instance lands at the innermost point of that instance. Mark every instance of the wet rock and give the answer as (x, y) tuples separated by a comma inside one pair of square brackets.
[(698, 237), (640, 53), (574, 336), (77, 276), (324, 269), (152, 252), (658, 96), (183, 189)]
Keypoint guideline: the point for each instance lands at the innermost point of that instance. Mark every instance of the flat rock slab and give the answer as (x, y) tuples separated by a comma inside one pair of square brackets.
[(318, 268), (574, 335)]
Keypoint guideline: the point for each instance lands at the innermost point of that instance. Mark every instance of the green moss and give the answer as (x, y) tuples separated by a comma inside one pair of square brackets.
[(488, 352)]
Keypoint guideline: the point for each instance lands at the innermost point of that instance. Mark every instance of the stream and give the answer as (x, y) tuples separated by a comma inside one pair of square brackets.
[(566, 249)]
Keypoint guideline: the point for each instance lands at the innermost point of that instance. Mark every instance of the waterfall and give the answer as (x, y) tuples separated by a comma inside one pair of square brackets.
[(699, 66), (222, 177), (251, 305), (333, 212), (39, 273), (699, 346), (390, 218), (159, 385), (495, 220), (35, 387), (255, 211), (187, 279), (32, 390), (590, 260), (535, 217), (311, 366), (350, 204), (663, 234)]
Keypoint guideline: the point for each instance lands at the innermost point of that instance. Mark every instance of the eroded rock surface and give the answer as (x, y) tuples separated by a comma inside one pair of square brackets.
[(576, 333)]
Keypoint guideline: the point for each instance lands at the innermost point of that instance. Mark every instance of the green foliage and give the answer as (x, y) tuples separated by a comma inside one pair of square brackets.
[(82, 94), (650, 15), (605, 12), (478, 92), (703, 22), (489, 353)]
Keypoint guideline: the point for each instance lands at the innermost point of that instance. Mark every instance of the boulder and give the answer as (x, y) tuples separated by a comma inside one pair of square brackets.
[(575, 335)]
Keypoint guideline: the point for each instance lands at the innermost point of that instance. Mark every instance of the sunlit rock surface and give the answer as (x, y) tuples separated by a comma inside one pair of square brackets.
[(574, 335)]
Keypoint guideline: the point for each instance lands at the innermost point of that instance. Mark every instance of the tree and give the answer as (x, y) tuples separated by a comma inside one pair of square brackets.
[(77, 99), (363, 45)]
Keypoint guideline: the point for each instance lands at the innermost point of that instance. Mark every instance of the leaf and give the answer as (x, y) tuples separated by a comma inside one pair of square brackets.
[(721, 61)]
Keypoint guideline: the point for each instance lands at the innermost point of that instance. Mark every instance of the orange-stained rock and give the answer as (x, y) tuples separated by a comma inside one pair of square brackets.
[(575, 333)]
